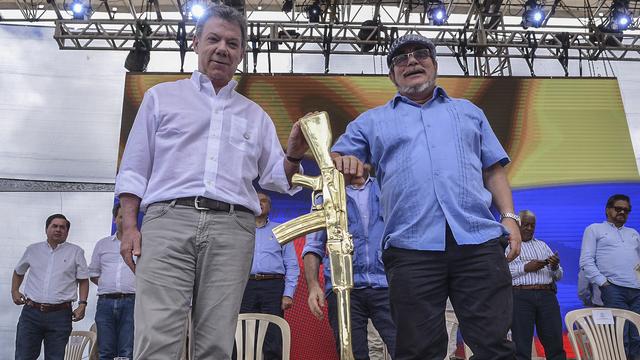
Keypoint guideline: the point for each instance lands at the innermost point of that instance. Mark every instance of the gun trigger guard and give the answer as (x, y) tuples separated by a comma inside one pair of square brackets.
[(316, 200)]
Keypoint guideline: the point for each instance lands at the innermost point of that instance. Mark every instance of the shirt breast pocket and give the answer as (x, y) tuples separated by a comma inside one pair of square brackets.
[(241, 134)]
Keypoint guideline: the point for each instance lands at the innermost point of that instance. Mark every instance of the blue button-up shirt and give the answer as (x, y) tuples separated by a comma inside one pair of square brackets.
[(429, 160), (610, 253), (368, 269), (270, 258)]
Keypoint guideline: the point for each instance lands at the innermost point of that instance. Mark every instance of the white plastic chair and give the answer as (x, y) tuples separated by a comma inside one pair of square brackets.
[(246, 345), (78, 342), (603, 341)]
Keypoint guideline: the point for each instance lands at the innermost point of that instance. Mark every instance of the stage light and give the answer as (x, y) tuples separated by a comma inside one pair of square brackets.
[(533, 15), (436, 12), (287, 6), (619, 16), (196, 11), (370, 34), (80, 10), (313, 12)]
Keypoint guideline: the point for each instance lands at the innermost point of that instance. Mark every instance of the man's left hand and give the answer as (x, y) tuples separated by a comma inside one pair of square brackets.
[(554, 261), (78, 313), (287, 303), (515, 241), (296, 144)]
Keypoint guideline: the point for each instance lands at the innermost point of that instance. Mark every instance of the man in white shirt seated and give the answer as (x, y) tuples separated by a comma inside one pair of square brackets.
[(57, 272), (194, 150), (116, 295)]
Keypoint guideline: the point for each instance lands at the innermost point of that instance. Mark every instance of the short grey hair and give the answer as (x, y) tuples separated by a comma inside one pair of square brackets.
[(528, 213), (226, 13)]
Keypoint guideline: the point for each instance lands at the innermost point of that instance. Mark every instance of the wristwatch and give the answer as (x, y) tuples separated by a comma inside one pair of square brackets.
[(81, 302), (510, 216)]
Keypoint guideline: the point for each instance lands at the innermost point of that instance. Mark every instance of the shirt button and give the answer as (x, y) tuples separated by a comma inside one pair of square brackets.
[(246, 136)]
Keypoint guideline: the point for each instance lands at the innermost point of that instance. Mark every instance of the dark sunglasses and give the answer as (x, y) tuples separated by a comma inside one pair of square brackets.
[(620, 209), (403, 59)]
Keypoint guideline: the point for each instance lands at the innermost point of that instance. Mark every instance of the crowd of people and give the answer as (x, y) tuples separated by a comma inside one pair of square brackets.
[(423, 227)]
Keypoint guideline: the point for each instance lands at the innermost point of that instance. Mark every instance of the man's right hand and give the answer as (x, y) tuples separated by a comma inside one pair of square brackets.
[(348, 165), (18, 297), (534, 265), (316, 301), (130, 246)]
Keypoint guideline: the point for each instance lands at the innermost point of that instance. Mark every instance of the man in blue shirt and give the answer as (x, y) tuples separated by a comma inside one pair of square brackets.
[(273, 278), (370, 295), (610, 259), (440, 168)]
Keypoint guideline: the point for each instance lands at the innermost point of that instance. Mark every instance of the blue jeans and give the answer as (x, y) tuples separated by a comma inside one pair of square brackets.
[(114, 320), (621, 297), (367, 303), (35, 326)]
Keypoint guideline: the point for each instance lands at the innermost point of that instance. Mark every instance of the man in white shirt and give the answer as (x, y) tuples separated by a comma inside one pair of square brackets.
[(116, 295), (194, 150), (57, 272), (534, 274)]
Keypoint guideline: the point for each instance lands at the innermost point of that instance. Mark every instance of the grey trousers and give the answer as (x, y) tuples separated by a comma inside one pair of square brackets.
[(197, 258)]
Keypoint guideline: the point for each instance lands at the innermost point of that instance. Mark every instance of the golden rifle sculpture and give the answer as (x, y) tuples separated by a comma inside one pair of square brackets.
[(329, 214)]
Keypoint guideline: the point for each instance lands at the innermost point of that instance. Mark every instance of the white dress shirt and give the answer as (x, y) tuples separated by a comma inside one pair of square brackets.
[(106, 263), (533, 249), (189, 141), (53, 273)]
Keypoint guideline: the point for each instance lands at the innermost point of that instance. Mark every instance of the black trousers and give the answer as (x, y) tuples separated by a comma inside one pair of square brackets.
[(477, 280), (265, 297), (539, 308)]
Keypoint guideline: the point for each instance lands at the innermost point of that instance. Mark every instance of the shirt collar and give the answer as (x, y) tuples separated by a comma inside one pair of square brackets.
[(366, 183), (614, 225), (201, 81), (46, 243), (437, 92), (265, 224)]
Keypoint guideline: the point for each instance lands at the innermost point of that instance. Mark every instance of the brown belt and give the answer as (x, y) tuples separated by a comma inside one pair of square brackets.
[(265, 276), (535, 287), (48, 307)]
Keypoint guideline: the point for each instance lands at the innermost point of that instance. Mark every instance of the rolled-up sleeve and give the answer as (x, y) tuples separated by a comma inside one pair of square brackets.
[(23, 265), (292, 270), (492, 151), (588, 258), (82, 271), (516, 267), (315, 244), (95, 266), (137, 159), (354, 141)]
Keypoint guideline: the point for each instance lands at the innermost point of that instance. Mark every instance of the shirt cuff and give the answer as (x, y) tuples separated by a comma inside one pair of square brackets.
[(289, 291), (518, 270), (312, 251), (600, 280)]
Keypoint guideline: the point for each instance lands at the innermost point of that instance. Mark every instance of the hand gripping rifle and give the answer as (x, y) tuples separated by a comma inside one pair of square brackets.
[(331, 214)]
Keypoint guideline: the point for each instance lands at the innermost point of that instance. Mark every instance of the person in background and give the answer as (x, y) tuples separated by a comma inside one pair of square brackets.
[(57, 276)]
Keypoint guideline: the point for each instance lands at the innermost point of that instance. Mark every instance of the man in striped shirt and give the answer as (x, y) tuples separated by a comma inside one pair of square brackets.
[(534, 274)]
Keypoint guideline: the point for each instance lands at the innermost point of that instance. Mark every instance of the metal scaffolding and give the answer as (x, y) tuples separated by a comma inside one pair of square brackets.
[(483, 39)]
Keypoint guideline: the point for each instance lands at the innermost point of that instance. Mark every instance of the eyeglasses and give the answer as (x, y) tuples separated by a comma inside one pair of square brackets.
[(403, 59), (620, 209)]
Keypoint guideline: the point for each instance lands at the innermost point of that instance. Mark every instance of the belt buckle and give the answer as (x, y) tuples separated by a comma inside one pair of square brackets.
[(42, 307), (259, 277), (196, 204)]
